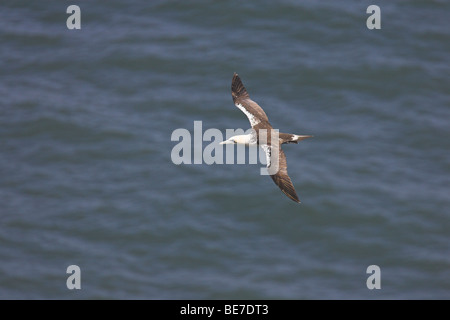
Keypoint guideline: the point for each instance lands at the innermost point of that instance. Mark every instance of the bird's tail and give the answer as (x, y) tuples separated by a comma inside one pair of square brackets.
[(292, 138)]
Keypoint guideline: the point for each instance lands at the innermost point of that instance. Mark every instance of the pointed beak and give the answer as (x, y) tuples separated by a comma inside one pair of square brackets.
[(227, 142)]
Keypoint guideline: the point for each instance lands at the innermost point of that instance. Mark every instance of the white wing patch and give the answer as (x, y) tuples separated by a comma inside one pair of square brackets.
[(268, 150), (253, 120), (272, 154)]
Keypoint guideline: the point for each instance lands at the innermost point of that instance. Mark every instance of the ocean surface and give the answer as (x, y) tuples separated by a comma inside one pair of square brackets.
[(87, 176)]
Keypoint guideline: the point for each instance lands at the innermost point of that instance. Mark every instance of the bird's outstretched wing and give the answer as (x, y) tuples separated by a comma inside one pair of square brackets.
[(241, 99), (281, 178)]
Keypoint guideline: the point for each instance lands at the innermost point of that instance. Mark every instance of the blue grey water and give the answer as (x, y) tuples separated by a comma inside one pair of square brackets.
[(87, 179)]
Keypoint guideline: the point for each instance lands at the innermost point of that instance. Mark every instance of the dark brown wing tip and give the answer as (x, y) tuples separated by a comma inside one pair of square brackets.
[(238, 90), (286, 187), (293, 197)]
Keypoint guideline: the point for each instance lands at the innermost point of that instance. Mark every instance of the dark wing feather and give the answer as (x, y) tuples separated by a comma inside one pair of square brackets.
[(238, 91), (282, 180)]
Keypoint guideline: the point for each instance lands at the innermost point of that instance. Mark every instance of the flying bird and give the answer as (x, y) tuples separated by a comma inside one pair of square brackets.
[(261, 135)]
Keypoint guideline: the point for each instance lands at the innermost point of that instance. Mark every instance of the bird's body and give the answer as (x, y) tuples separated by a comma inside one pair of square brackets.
[(262, 135)]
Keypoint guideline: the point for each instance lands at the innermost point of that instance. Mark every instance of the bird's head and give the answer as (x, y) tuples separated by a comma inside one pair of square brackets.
[(240, 139)]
